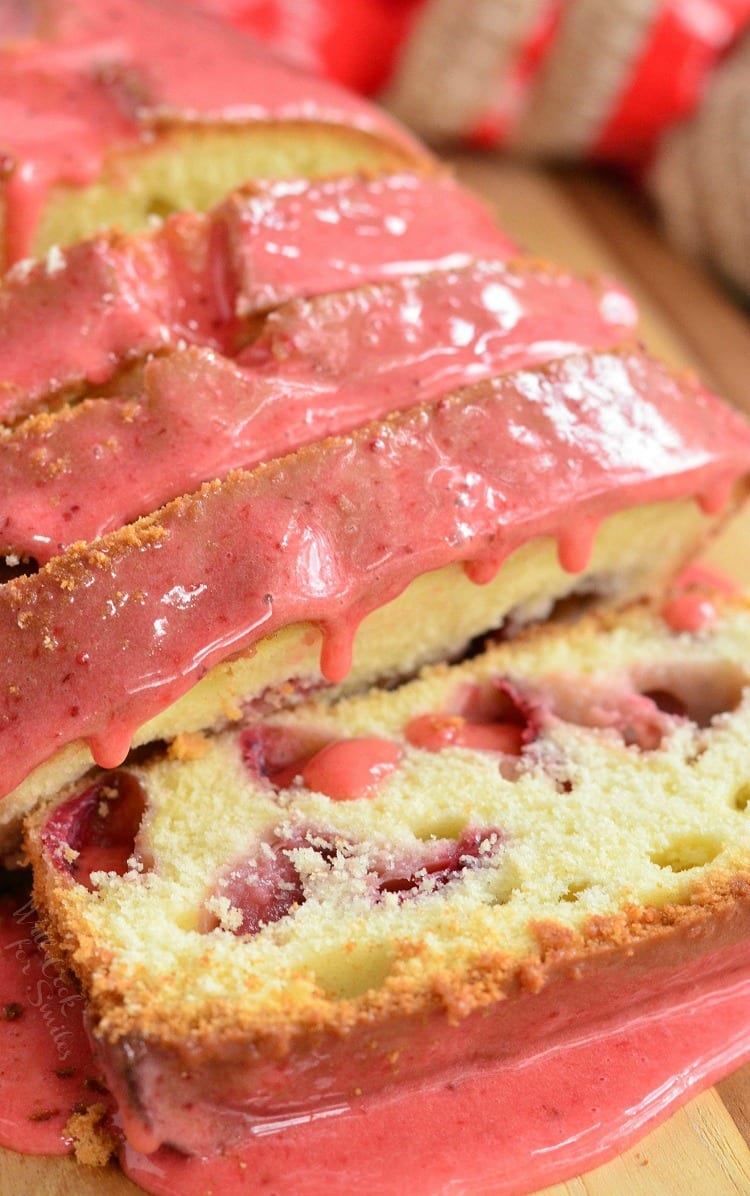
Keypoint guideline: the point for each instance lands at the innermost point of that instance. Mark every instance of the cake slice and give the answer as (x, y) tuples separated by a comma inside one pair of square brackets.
[(347, 901), (318, 368), (113, 114), (361, 558), (76, 318)]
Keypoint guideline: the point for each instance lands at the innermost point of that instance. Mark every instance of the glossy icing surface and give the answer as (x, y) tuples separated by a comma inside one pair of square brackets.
[(530, 1119), (74, 318), (351, 768), (331, 533), (319, 368), (110, 74), (690, 612)]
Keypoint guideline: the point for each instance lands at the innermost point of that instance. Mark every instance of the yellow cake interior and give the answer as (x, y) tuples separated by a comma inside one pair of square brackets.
[(588, 827)]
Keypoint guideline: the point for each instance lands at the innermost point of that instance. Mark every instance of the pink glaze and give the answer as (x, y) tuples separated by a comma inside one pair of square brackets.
[(112, 74), (690, 612), (297, 237), (17, 20), (508, 1129), (351, 768), (691, 606), (77, 316), (433, 732), (46, 1067), (105, 637), (74, 318), (699, 576), (320, 367), (276, 755), (495, 716)]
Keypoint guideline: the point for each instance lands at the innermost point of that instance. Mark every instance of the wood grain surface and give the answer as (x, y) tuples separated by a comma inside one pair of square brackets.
[(588, 223)]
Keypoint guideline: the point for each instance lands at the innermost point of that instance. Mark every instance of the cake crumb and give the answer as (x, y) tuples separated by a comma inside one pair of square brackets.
[(93, 1142), (227, 915), (188, 745), (54, 261), (232, 712)]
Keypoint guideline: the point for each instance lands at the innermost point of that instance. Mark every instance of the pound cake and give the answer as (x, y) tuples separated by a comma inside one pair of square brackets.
[(320, 911), (115, 111), (320, 435), (317, 368), (78, 318), (360, 558)]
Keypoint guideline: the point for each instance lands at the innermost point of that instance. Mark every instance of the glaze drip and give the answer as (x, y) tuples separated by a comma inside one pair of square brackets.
[(435, 483)]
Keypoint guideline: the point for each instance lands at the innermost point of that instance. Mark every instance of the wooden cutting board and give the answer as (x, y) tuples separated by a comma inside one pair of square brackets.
[(589, 224)]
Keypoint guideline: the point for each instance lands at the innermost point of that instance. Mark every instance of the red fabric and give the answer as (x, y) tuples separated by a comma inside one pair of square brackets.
[(669, 79), (511, 93), (357, 42), (354, 42)]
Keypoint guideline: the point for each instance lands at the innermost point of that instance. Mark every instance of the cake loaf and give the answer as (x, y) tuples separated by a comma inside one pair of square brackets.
[(408, 887), (361, 558), (113, 112)]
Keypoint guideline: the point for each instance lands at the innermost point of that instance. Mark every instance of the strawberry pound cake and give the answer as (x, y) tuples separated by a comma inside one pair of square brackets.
[(523, 879)]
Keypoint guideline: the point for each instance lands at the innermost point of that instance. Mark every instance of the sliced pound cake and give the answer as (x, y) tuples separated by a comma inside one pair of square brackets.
[(76, 318), (361, 558), (317, 368), (114, 112), (347, 899)]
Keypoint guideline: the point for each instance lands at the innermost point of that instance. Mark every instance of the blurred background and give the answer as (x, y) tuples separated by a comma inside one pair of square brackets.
[(657, 90)]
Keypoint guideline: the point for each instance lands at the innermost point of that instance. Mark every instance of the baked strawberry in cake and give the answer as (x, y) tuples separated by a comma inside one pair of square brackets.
[(331, 906), (359, 559)]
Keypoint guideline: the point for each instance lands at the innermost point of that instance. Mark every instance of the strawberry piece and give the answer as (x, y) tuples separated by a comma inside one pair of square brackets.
[(95, 831), (276, 755), (343, 769), (348, 769), (441, 862), (262, 889), (493, 717)]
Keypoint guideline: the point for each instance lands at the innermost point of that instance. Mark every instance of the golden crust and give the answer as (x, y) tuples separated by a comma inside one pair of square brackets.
[(93, 1144), (286, 1026)]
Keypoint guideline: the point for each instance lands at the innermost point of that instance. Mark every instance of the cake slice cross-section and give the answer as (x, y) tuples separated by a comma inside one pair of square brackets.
[(75, 319), (537, 853)]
